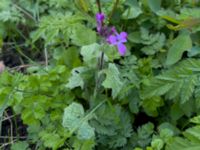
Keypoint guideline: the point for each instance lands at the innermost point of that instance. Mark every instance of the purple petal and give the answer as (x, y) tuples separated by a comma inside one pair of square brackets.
[(99, 26), (122, 37), (121, 48), (113, 30), (100, 17), (123, 34), (112, 40)]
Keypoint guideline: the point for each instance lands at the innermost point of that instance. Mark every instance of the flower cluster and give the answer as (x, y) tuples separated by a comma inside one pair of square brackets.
[(111, 35)]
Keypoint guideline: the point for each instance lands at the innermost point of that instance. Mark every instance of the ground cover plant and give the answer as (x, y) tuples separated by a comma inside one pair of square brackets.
[(100, 74)]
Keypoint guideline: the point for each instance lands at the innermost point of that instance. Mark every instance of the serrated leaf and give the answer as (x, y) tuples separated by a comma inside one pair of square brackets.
[(193, 134), (157, 88), (188, 107), (113, 80), (181, 44), (197, 97), (175, 90), (183, 77), (178, 143), (187, 91), (176, 112), (83, 5), (134, 102), (195, 119)]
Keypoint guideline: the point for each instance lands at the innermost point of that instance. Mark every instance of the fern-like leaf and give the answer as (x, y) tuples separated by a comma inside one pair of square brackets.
[(179, 81)]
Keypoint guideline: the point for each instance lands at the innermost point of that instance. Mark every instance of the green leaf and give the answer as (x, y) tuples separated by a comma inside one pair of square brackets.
[(188, 12), (83, 36), (113, 125), (145, 131), (178, 143), (57, 28), (166, 134), (133, 11), (156, 88), (70, 56), (193, 134), (72, 115), (188, 107), (39, 111), (153, 42), (176, 112), (151, 105), (197, 97), (27, 117), (85, 131), (83, 144), (157, 144), (179, 81), (167, 130), (74, 120), (83, 5), (90, 54), (134, 101), (155, 5), (51, 140), (181, 44), (195, 51), (195, 119), (21, 145), (135, 37), (113, 80), (76, 80), (187, 91)]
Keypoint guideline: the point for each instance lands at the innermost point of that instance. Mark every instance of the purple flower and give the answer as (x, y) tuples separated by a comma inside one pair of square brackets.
[(118, 40), (100, 18), (110, 34)]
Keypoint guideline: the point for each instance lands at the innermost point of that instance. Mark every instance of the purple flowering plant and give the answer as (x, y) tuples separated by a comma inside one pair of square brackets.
[(111, 35)]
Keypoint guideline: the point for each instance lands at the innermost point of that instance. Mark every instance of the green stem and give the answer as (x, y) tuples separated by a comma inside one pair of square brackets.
[(113, 10), (98, 79), (99, 5), (25, 12)]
